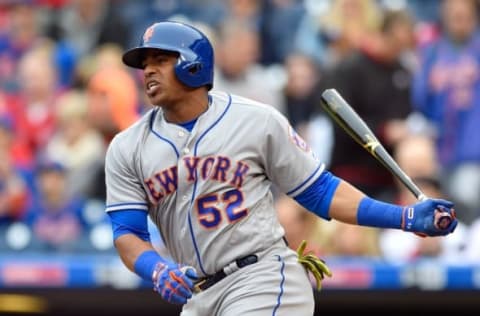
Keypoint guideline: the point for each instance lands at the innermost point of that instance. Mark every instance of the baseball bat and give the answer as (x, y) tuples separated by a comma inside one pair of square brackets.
[(346, 117)]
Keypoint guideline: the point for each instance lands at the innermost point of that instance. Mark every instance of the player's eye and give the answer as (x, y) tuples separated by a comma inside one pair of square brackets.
[(161, 59)]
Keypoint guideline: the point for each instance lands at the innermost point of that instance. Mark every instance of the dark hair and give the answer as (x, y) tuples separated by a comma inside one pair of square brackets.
[(392, 17)]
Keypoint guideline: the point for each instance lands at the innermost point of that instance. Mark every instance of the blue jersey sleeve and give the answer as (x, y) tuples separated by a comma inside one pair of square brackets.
[(318, 196), (130, 222)]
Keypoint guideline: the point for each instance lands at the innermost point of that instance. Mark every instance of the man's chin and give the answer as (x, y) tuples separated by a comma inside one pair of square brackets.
[(155, 100)]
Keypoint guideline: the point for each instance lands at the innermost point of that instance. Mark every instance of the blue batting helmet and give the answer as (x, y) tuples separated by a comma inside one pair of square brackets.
[(195, 62)]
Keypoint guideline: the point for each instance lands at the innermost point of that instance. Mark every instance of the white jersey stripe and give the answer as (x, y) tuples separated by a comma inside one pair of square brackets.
[(127, 206), (302, 186)]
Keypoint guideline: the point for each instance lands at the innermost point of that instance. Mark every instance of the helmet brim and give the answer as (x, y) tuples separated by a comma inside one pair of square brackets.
[(134, 57)]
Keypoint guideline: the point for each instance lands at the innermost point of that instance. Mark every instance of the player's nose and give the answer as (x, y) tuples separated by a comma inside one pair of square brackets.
[(148, 71)]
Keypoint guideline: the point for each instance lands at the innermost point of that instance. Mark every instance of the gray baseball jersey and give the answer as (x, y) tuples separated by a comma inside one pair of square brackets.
[(208, 190)]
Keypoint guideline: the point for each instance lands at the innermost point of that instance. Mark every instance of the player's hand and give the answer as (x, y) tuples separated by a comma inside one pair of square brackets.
[(420, 217), (174, 282)]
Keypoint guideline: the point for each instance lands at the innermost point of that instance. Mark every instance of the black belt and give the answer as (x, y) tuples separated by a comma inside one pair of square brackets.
[(210, 280)]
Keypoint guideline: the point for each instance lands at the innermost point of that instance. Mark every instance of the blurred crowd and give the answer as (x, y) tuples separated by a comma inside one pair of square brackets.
[(410, 68)]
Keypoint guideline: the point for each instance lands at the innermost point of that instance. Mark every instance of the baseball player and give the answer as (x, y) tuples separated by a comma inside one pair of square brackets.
[(201, 164)]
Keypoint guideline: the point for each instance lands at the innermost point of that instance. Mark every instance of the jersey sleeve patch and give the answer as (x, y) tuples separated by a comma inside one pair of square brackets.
[(298, 140)]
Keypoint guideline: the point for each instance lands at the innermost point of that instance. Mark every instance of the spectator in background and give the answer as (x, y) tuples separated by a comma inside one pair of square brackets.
[(425, 11), (246, 12), (76, 144), (209, 12), (141, 14), (14, 141), (104, 56), (447, 91), (427, 17), (112, 101), (301, 94), (18, 35), (377, 85), (23, 31), (112, 106), (82, 25), (14, 191), (417, 157), (301, 91), (33, 109), (279, 24), (238, 69), (55, 217), (336, 29)]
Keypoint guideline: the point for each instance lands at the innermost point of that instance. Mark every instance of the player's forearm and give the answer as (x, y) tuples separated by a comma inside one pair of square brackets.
[(352, 206), (130, 247), (345, 202), (331, 197)]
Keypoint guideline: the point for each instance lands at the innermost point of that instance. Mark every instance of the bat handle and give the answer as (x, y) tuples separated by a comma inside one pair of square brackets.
[(422, 197)]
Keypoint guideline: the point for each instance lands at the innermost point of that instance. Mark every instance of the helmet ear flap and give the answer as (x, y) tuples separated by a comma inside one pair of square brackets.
[(192, 67), (190, 72)]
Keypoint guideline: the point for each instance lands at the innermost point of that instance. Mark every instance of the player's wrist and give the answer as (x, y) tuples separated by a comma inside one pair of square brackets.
[(408, 218), (379, 214), (147, 264)]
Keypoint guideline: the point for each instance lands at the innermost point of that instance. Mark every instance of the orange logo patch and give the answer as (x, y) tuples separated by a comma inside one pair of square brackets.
[(148, 34)]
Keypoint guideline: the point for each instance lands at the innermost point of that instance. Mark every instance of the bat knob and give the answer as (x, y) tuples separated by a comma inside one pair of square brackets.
[(443, 220)]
